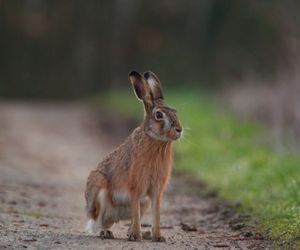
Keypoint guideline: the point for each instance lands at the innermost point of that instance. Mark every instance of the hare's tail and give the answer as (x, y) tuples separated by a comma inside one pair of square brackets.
[(92, 209), (95, 210), (90, 226), (95, 196)]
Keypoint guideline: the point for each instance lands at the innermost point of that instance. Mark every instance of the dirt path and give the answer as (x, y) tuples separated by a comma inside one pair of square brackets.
[(46, 153)]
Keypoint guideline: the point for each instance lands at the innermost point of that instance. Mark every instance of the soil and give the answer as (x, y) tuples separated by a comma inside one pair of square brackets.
[(46, 154)]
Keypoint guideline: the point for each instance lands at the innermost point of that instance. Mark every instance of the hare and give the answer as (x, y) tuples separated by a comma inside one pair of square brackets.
[(137, 172)]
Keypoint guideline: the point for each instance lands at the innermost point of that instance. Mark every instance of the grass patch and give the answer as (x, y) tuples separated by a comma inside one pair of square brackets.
[(231, 156)]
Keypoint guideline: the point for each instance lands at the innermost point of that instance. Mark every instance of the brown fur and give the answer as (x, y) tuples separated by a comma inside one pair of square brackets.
[(139, 168)]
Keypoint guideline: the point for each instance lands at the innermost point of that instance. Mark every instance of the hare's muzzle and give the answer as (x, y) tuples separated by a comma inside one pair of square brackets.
[(178, 131)]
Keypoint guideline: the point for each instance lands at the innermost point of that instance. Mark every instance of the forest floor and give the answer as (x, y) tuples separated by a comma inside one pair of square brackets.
[(46, 154)]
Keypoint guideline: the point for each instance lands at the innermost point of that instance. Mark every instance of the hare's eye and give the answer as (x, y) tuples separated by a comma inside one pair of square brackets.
[(159, 115)]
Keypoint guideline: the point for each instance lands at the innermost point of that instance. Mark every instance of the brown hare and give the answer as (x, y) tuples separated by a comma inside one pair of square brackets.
[(136, 173)]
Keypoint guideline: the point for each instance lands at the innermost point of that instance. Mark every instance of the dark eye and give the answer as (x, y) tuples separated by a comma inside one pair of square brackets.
[(159, 115)]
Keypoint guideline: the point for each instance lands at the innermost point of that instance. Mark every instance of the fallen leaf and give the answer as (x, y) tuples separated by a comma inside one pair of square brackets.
[(145, 225), (166, 227), (44, 225), (188, 228)]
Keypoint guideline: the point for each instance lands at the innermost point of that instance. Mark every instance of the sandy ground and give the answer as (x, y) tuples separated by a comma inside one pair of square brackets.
[(46, 153)]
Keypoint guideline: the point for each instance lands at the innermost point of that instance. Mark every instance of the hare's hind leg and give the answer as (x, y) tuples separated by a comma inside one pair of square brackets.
[(96, 213), (95, 209), (97, 204), (105, 233)]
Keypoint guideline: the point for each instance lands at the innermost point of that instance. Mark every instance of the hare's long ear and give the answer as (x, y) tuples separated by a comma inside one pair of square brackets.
[(155, 86), (141, 89)]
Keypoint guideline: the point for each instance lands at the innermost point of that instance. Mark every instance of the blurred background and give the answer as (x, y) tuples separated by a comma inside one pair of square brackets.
[(71, 49), (65, 49)]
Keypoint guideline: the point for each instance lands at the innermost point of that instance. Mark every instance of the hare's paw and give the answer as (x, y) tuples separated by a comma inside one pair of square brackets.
[(106, 234), (158, 238), (134, 237), (156, 235)]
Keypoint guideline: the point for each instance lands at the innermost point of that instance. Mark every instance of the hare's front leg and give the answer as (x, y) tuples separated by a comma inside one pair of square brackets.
[(156, 200), (135, 232)]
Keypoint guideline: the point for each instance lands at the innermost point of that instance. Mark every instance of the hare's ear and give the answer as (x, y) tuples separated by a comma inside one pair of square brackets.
[(141, 88), (155, 86)]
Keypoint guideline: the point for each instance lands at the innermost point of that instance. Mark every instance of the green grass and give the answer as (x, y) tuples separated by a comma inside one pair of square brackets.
[(232, 157)]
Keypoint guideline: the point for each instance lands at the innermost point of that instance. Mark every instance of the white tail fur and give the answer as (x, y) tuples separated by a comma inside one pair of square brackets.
[(90, 226)]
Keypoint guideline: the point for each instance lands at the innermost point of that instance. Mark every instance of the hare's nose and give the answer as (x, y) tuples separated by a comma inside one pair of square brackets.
[(178, 130)]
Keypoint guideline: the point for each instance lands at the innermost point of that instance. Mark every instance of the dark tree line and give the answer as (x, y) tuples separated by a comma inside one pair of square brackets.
[(65, 49)]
